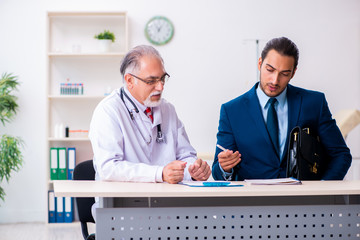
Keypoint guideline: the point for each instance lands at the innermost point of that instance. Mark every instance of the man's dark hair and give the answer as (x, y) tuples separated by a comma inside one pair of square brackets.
[(283, 46)]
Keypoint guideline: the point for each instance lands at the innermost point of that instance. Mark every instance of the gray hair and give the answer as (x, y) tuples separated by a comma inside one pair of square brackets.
[(131, 61)]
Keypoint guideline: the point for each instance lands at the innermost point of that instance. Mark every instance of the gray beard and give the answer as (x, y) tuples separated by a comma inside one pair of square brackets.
[(149, 103)]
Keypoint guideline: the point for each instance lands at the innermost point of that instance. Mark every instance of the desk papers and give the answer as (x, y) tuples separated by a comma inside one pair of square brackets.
[(275, 181)]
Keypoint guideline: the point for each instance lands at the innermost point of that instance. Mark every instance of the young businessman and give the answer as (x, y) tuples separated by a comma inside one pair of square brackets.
[(255, 126), (136, 135)]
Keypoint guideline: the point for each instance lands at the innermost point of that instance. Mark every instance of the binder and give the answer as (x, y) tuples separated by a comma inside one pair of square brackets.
[(60, 209), (53, 164), (71, 162), (51, 207), (69, 216), (62, 164)]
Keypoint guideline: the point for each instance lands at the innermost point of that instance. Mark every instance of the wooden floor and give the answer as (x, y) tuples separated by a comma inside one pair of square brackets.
[(43, 231)]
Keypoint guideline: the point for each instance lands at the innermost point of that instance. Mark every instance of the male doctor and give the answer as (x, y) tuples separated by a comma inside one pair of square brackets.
[(136, 135)]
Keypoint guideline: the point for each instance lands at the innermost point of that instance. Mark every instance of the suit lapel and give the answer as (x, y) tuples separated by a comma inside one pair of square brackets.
[(294, 105), (253, 106)]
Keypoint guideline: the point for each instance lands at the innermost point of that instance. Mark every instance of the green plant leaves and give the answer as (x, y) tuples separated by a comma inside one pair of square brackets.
[(106, 35), (8, 105), (11, 158)]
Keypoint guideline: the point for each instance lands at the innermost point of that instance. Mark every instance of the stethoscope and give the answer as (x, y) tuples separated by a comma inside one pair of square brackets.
[(160, 138)]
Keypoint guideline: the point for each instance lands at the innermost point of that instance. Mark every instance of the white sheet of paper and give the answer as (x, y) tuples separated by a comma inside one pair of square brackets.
[(275, 181)]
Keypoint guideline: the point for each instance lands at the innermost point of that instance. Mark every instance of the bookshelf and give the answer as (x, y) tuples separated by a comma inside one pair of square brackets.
[(74, 57)]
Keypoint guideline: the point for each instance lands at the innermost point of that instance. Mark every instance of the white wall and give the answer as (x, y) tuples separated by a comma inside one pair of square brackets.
[(209, 61)]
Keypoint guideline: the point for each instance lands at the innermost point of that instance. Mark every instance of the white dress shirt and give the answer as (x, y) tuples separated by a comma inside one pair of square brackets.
[(121, 151)]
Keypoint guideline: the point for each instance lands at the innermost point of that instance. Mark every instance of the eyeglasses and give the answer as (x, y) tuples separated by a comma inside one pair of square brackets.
[(154, 81)]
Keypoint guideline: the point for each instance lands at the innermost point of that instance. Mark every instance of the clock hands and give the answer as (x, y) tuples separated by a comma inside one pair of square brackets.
[(158, 26)]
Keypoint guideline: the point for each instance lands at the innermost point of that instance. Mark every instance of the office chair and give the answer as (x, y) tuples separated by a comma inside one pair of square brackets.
[(85, 171), (347, 120)]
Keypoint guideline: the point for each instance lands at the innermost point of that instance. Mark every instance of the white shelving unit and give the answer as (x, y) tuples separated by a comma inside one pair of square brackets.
[(73, 56)]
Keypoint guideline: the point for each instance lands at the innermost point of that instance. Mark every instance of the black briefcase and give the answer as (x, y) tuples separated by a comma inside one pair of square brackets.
[(306, 155)]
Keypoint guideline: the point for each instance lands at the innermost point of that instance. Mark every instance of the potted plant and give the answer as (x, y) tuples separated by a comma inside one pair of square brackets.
[(10, 155), (106, 38)]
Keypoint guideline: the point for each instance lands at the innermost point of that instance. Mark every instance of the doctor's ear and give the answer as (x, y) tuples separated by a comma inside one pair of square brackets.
[(129, 81)]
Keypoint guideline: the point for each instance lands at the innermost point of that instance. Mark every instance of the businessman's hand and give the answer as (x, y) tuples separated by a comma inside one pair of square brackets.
[(174, 172), (228, 159), (200, 170)]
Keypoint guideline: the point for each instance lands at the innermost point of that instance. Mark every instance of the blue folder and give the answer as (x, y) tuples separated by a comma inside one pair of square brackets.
[(69, 213), (51, 207), (71, 162), (60, 210)]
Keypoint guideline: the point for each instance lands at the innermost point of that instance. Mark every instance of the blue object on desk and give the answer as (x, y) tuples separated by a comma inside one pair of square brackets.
[(215, 184), (211, 184)]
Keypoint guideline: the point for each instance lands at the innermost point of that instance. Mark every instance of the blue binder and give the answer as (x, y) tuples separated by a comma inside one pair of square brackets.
[(71, 162), (69, 216), (60, 210), (51, 207)]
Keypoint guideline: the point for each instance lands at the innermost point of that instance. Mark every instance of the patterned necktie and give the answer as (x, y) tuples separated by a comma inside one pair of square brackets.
[(148, 113), (272, 123)]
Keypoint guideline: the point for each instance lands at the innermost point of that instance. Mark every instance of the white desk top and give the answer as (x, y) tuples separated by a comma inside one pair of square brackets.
[(68, 188)]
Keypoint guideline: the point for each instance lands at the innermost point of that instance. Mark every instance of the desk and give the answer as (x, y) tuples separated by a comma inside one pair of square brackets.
[(133, 211)]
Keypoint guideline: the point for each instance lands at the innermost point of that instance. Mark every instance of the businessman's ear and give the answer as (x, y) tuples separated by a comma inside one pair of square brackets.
[(293, 73), (259, 63)]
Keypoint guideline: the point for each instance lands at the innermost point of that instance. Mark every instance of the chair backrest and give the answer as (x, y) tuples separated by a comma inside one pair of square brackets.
[(85, 171), (347, 120)]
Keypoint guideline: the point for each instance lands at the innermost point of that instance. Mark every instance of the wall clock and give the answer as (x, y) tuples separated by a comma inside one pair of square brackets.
[(159, 30)]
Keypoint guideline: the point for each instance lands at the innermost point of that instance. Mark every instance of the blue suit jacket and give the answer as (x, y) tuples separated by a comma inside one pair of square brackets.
[(242, 128)]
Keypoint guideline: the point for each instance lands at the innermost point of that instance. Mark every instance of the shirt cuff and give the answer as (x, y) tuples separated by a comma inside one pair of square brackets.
[(158, 176), (227, 176)]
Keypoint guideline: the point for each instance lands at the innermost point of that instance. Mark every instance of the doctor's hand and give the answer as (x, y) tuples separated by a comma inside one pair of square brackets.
[(174, 172), (229, 159), (200, 170)]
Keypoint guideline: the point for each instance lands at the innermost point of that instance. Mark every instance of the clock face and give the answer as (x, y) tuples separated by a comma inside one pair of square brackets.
[(159, 30)]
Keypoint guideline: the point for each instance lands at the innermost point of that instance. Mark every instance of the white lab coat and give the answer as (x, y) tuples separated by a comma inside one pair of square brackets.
[(120, 151)]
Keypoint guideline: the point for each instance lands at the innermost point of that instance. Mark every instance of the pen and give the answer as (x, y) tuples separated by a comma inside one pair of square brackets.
[(221, 147)]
